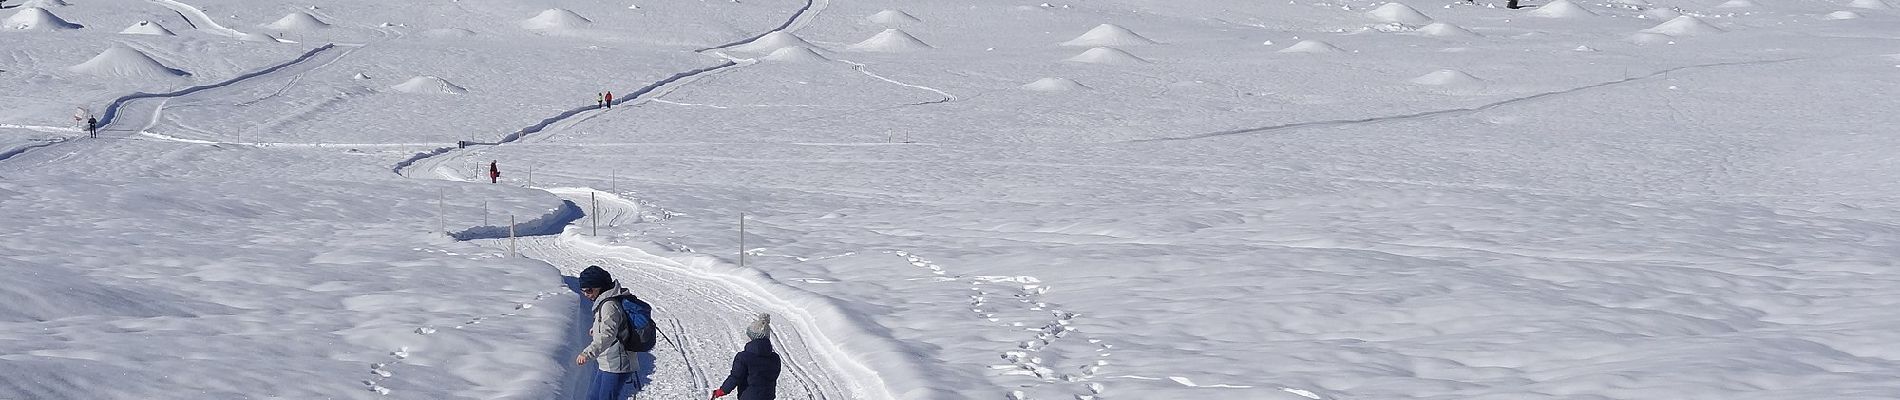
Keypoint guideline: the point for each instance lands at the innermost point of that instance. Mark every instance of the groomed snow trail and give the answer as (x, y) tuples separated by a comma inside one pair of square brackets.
[(702, 312)]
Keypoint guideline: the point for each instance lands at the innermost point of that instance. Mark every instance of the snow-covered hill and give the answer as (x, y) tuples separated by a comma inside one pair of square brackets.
[(1334, 200)]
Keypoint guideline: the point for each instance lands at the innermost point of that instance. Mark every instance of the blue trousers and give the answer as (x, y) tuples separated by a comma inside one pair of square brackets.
[(611, 386)]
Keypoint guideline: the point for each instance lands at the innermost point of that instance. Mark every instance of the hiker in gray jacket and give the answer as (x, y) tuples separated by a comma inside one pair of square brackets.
[(617, 365)]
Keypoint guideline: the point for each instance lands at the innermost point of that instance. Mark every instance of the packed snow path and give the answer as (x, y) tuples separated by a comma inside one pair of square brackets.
[(702, 314)]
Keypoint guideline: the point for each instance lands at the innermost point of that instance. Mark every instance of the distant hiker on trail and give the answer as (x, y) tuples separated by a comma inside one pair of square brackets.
[(755, 370), (610, 99), (600, 100), (623, 326), (92, 127), (494, 172)]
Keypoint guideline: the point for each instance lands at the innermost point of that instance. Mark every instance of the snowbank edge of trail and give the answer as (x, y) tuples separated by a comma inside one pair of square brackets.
[(551, 223), (848, 345)]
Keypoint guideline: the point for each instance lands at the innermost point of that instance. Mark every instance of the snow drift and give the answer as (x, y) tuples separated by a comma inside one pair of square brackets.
[(298, 21), (893, 17), (1447, 77), (1448, 30), (556, 19), (124, 62), (1106, 55), (1561, 9), (1109, 35), (1053, 85), (36, 18), (1399, 13), (795, 55), (147, 28), (1684, 26), (427, 84), (1312, 46), (891, 40), (772, 42)]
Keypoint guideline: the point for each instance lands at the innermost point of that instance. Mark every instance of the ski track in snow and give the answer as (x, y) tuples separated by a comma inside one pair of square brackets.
[(1459, 111)]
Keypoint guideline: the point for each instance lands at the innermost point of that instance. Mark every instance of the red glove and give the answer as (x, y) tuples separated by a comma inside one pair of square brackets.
[(718, 392)]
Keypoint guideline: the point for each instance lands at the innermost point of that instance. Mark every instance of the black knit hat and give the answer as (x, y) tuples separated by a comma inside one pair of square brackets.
[(596, 278)]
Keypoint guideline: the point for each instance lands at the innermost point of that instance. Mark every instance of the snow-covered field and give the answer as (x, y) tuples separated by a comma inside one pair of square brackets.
[(984, 199)]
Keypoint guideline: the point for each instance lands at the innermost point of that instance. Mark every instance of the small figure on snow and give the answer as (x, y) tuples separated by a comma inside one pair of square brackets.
[(494, 172), (600, 100), (92, 127), (615, 328), (755, 370), (610, 99)]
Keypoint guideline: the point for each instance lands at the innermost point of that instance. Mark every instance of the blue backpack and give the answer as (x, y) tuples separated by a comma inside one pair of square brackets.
[(642, 333)]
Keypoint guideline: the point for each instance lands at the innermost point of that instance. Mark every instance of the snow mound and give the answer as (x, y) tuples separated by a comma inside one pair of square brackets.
[(797, 54), (1650, 38), (256, 37), (1447, 77), (1840, 15), (147, 28), (1399, 13), (1871, 4), (1584, 48), (1109, 35), (440, 33), (125, 62), (1561, 9), (1441, 29), (45, 3), (1054, 85), (360, 76), (1737, 4), (36, 18), (298, 21), (893, 17), (1312, 46), (891, 40), (771, 42), (427, 85), (1662, 13), (1107, 55), (556, 19), (1684, 26)]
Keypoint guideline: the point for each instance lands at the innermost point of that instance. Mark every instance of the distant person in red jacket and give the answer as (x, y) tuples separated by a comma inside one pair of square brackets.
[(610, 99), (494, 172)]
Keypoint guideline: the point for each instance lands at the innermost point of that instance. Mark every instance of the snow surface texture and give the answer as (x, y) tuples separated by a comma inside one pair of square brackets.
[(1708, 219)]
